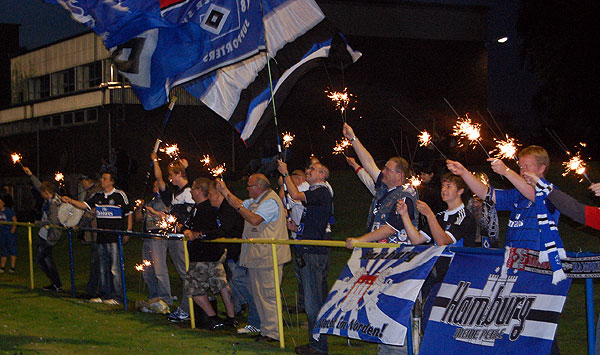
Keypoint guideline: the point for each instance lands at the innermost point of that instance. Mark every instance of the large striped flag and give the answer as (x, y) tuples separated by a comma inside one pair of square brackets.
[(373, 298), (216, 48), (483, 308)]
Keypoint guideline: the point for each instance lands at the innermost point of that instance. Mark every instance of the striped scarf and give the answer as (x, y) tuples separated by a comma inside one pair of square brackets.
[(551, 248)]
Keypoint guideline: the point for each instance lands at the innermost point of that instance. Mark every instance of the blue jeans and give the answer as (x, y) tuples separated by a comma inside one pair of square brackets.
[(240, 284), (313, 273), (110, 271), (43, 258), (157, 248)]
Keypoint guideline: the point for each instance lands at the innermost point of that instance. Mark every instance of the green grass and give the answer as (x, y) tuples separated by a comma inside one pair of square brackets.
[(34, 321)]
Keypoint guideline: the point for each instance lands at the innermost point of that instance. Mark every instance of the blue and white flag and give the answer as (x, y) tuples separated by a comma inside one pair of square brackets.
[(373, 298), (299, 38), (485, 308), (158, 44)]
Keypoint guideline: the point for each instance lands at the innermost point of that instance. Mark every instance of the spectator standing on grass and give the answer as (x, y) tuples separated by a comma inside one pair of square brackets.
[(47, 237), (265, 218), (312, 262), (179, 204), (8, 237), (89, 186), (113, 211)]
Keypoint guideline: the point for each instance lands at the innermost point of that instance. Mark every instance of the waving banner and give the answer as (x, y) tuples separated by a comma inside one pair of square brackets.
[(373, 298), (485, 308)]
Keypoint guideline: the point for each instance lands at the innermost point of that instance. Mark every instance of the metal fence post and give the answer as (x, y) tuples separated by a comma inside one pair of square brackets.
[(31, 284), (122, 271)]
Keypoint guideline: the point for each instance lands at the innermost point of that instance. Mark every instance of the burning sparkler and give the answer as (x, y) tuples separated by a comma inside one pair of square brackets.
[(168, 223), (577, 166), (506, 149), (288, 138), (341, 146), (16, 158), (219, 170), (415, 181), (464, 128), (147, 263), (341, 99), (138, 202), (171, 150), (424, 139), (59, 177), (139, 267), (205, 160)]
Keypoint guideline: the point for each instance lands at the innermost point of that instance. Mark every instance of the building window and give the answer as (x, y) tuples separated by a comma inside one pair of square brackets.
[(95, 74), (92, 115), (80, 117), (63, 82)]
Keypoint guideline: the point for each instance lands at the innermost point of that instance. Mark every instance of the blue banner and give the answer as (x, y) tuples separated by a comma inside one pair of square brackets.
[(160, 44), (485, 308), (373, 298)]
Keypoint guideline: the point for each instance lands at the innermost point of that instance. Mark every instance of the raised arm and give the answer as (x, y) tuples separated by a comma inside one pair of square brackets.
[(364, 156), (34, 180), (566, 204), (518, 182), (438, 234), (236, 203), (292, 188), (412, 232), (363, 176), (157, 172), (79, 204), (476, 185)]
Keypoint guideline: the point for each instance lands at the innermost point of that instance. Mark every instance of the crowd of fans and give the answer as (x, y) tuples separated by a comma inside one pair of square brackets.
[(458, 207)]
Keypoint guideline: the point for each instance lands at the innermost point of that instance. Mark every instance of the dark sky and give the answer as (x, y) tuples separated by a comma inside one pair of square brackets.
[(509, 87)]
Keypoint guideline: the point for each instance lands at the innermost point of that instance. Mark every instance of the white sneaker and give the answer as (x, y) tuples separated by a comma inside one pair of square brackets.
[(111, 302), (96, 300), (249, 329)]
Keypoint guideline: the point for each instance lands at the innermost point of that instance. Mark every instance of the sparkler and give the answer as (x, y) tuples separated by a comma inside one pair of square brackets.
[(577, 166), (219, 170), (171, 150), (341, 146), (17, 158), (59, 177), (205, 160), (139, 267), (422, 135), (138, 202), (341, 99), (415, 181), (464, 128), (506, 149), (168, 223), (424, 139), (288, 138)]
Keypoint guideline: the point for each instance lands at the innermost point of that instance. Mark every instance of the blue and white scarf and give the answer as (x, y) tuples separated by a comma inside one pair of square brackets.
[(551, 246)]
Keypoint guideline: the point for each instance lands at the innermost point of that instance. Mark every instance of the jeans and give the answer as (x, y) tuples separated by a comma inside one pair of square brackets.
[(93, 285), (43, 258), (148, 271), (240, 284), (316, 267), (110, 271), (157, 249)]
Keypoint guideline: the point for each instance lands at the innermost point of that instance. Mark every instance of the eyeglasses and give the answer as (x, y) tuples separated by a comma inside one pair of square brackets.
[(390, 169)]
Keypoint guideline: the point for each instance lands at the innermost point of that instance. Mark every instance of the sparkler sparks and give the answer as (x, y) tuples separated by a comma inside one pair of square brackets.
[(167, 223), (139, 267), (138, 202), (341, 99), (171, 150), (59, 177), (464, 128), (219, 170), (506, 149), (575, 165), (205, 160), (415, 181), (424, 139), (16, 158), (146, 262), (287, 139), (341, 146)]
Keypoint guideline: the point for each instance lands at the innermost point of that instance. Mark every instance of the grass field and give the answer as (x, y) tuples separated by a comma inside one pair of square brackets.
[(34, 321)]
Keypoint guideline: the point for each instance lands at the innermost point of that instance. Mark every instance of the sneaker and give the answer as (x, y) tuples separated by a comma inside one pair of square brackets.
[(249, 329), (52, 287), (178, 316), (11, 271), (111, 302), (2, 270), (214, 323), (96, 300), (230, 322)]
